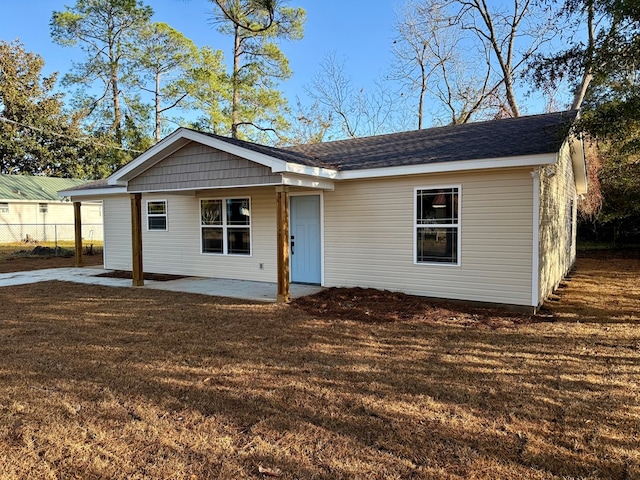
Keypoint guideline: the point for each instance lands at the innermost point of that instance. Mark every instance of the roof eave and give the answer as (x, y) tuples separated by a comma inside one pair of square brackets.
[(93, 192), (449, 166)]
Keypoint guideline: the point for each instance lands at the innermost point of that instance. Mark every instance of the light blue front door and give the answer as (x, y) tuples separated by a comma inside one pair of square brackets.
[(305, 239)]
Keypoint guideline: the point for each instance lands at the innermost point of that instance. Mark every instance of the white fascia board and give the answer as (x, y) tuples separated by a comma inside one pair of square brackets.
[(296, 168), (41, 200), (93, 192), (579, 163), (452, 166), (295, 180)]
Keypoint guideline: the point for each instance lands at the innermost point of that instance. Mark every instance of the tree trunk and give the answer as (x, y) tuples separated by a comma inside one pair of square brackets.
[(117, 114), (235, 80), (157, 93), (581, 89), (587, 76)]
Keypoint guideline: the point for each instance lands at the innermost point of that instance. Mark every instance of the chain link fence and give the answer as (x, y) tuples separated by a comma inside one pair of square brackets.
[(60, 237)]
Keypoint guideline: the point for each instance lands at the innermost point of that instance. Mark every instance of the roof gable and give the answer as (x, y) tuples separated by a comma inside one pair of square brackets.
[(197, 166)]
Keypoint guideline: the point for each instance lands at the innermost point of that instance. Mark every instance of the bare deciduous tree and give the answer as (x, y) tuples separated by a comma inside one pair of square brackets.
[(359, 112), (465, 55)]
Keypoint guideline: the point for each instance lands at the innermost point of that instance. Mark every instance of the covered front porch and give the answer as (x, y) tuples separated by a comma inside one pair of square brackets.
[(200, 205)]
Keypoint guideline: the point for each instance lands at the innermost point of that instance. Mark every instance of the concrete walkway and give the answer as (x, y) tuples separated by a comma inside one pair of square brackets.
[(246, 290)]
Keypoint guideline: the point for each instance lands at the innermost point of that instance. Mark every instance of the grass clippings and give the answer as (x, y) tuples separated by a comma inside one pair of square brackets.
[(99, 382)]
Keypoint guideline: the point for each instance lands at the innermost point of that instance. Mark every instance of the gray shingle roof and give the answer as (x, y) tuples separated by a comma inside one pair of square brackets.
[(286, 154), (536, 134), (510, 137)]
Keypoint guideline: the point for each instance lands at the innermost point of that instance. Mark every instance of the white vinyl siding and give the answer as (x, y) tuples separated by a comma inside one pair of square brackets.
[(117, 232), (369, 237), (177, 251), (24, 219), (557, 222)]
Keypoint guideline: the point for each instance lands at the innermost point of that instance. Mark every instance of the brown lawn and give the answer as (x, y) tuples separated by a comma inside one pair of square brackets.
[(131, 383), (11, 262)]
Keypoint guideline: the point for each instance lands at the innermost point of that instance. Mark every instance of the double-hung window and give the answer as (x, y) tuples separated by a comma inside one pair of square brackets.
[(157, 215), (4, 207), (43, 207), (437, 227), (225, 226)]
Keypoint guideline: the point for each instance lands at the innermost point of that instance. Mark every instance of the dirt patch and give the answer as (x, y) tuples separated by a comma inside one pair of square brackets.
[(26, 262), (158, 277)]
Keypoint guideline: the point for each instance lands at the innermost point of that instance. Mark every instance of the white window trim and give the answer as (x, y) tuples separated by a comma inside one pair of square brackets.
[(224, 226), (436, 225), (4, 207), (43, 207), (166, 215)]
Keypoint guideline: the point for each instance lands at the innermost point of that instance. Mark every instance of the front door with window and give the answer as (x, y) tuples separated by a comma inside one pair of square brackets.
[(305, 239)]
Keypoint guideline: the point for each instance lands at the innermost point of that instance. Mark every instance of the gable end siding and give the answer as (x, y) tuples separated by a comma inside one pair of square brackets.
[(199, 166), (557, 223)]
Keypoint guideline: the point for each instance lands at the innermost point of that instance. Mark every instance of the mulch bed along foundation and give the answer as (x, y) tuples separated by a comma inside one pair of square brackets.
[(371, 305), (158, 277)]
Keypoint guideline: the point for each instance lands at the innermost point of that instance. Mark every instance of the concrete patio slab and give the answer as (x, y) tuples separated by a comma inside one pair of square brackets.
[(241, 289)]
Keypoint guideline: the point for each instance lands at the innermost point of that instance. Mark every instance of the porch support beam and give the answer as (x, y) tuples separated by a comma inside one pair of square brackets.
[(77, 226), (282, 207), (136, 239)]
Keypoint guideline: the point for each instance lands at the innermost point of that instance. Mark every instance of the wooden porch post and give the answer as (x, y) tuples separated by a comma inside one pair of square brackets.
[(136, 239), (77, 225), (282, 204)]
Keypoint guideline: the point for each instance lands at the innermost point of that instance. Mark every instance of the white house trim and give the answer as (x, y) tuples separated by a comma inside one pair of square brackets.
[(295, 180), (93, 192), (321, 194), (450, 166), (535, 256), (416, 226), (194, 191)]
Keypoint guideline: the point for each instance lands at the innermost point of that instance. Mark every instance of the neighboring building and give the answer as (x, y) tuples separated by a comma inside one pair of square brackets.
[(31, 210), (482, 212)]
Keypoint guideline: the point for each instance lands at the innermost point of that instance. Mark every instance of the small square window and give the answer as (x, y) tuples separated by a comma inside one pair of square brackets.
[(43, 207), (157, 215), (4, 207)]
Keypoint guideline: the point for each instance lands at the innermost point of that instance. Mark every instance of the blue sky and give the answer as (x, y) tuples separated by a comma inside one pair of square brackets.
[(361, 35)]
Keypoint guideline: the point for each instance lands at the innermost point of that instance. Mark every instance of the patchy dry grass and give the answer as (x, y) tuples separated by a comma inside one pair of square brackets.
[(133, 383), (10, 261)]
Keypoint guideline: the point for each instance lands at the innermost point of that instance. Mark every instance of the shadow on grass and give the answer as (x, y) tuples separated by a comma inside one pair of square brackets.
[(175, 385)]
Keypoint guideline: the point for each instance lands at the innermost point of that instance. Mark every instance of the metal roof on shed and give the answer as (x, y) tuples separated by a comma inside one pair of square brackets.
[(28, 187)]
